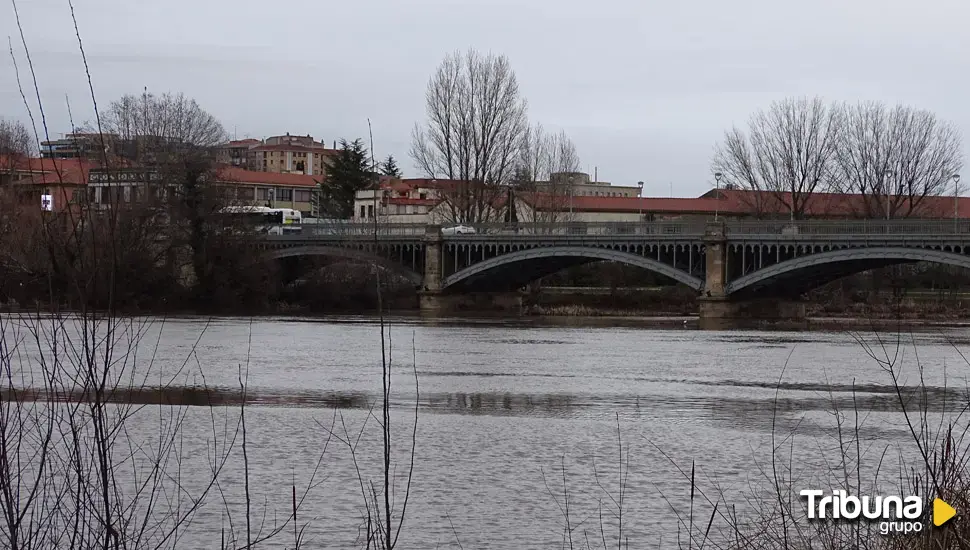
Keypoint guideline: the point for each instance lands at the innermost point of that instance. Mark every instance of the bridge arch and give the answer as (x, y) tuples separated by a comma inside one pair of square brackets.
[(349, 254), (577, 254), (823, 267)]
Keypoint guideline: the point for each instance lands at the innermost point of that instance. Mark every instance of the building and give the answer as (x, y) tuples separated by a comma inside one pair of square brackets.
[(240, 187), (398, 201), (236, 153), (770, 205), (35, 185), (78, 145), (417, 200), (276, 190), (286, 154), (424, 201), (578, 184)]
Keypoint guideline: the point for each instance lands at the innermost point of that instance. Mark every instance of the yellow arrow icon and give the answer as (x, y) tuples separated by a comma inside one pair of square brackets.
[(942, 512)]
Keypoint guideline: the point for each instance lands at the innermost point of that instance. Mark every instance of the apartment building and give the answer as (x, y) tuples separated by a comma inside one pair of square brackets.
[(236, 153), (287, 154)]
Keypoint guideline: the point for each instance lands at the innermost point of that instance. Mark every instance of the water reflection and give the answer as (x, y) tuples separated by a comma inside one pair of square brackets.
[(871, 398)]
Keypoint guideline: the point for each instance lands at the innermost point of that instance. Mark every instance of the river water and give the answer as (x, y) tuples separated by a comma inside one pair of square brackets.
[(513, 417)]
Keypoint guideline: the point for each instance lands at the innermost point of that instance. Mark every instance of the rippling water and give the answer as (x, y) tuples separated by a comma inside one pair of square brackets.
[(504, 408)]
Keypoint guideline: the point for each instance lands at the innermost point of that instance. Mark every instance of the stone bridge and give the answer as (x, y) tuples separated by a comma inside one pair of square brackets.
[(742, 269)]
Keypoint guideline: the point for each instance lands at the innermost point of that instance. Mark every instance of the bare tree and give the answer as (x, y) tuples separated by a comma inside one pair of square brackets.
[(15, 139), (16, 142), (147, 125), (541, 157), (785, 156), (173, 139), (894, 157), (476, 118)]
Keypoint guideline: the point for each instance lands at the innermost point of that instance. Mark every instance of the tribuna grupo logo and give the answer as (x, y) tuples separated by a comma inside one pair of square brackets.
[(896, 514)]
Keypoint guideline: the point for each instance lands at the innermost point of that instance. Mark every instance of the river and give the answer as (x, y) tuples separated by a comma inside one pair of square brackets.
[(505, 407)]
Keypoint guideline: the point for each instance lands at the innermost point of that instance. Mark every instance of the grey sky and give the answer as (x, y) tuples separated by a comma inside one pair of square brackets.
[(644, 88)]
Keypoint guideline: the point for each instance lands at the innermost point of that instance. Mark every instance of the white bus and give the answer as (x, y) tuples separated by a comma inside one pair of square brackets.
[(273, 221)]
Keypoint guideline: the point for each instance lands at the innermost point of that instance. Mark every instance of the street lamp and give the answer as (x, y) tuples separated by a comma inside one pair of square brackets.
[(717, 193), (639, 201), (956, 200), (889, 175)]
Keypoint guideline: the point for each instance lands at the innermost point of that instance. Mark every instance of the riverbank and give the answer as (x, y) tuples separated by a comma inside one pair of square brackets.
[(661, 307)]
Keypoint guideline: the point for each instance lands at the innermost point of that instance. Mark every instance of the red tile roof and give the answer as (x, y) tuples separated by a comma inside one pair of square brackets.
[(744, 203), (36, 164), (631, 204), (71, 177), (242, 142), (41, 171), (231, 174), (839, 205)]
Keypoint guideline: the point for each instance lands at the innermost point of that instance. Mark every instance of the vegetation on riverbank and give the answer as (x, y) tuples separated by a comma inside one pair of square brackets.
[(932, 461)]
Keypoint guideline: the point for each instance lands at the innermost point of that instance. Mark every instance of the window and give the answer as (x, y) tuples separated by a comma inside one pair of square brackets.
[(363, 211), (423, 196), (285, 194), (370, 210), (262, 194), (300, 166), (302, 195), (245, 193)]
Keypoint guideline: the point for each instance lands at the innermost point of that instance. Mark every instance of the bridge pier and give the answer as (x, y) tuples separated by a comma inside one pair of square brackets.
[(719, 311), (438, 304), (726, 313), (433, 302)]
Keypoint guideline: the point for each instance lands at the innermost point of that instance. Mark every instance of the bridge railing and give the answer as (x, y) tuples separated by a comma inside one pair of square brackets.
[(658, 229), (860, 228), (338, 229), (579, 229)]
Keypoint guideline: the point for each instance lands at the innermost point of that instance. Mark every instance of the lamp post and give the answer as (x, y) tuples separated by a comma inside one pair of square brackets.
[(717, 193), (956, 200), (639, 201), (889, 175)]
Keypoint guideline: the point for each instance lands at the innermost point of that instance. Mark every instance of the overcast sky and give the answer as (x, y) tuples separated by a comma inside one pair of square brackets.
[(645, 88)]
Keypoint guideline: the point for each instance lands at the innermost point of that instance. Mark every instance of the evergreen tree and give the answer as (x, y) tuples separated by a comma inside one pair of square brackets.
[(347, 173), (389, 167)]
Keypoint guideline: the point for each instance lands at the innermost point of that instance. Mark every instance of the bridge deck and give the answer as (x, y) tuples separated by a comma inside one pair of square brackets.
[(756, 255)]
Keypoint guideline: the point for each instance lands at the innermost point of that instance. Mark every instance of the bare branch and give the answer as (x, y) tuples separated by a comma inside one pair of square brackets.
[(476, 118), (895, 157), (786, 154)]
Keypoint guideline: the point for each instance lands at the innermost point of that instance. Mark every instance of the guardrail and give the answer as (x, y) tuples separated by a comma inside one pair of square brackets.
[(860, 228), (348, 230), (658, 229), (567, 229)]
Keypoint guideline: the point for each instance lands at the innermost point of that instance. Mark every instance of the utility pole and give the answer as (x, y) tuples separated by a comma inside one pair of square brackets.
[(717, 193), (956, 200)]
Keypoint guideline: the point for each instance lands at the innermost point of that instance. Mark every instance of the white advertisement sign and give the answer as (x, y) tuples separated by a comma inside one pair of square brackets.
[(47, 202)]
